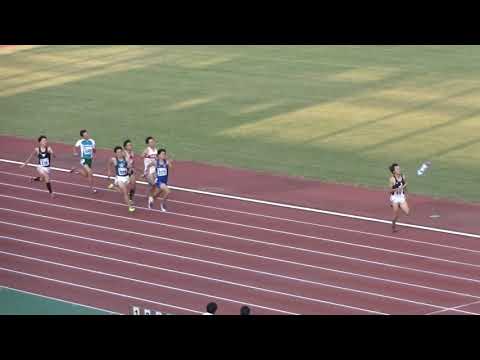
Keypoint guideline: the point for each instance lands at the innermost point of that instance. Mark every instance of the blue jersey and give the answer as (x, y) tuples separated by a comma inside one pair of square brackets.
[(121, 168), (162, 172)]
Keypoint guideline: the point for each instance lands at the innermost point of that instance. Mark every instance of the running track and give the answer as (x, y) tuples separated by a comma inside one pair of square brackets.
[(88, 249)]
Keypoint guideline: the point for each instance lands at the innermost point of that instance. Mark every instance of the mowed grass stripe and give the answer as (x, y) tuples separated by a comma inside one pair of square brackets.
[(335, 113)]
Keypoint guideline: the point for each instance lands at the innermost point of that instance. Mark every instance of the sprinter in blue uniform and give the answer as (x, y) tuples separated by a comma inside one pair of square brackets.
[(163, 165)]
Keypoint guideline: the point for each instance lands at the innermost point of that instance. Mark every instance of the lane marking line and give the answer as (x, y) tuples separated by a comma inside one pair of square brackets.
[(143, 282), (231, 282), (251, 214), (214, 248), (456, 308), (215, 233), (253, 241), (295, 207), (60, 300), (97, 290), (207, 277)]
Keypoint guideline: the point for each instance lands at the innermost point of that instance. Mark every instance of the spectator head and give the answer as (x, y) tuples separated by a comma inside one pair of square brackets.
[(245, 310), (212, 308)]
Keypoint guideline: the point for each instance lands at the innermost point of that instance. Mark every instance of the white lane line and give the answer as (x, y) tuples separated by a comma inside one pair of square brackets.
[(456, 311), (215, 233), (143, 235), (253, 241), (304, 298), (456, 308), (149, 283), (257, 215), (465, 305), (295, 207), (60, 300), (234, 283), (316, 225), (98, 290)]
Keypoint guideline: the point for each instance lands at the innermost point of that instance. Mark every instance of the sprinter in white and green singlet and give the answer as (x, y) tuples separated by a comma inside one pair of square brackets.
[(87, 152)]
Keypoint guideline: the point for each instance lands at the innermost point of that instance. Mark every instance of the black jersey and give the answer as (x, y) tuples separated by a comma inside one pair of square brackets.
[(121, 167), (43, 157), (398, 183)]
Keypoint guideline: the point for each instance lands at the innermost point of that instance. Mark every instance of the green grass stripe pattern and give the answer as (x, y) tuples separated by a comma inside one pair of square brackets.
[(335, 113)]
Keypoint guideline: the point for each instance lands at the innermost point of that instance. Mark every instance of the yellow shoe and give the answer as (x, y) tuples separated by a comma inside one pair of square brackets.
[(111, 186), (131, 209)]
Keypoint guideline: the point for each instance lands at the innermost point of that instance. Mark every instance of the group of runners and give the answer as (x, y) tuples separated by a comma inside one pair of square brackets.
[(120, 168)]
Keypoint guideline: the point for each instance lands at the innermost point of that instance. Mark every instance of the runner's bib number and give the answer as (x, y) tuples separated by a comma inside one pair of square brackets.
[(45, 162), (87, 151), (122, 171), (161, 172)]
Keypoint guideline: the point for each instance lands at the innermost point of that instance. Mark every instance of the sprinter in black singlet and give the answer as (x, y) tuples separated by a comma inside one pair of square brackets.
[(130, 157), (122, 177), (398, 200), (44, 156)]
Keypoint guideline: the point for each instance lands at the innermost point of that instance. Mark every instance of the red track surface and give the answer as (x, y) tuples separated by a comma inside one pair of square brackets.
[(89, 249)]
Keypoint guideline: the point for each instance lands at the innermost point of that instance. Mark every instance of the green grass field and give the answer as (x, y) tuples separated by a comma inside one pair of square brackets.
[(335, 113)]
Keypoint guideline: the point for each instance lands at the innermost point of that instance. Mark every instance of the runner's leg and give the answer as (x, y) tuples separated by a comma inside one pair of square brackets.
[(395, 216)]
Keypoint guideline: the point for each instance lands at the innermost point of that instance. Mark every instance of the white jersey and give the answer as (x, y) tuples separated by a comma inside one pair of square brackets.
[(86, 147), (150, 158)]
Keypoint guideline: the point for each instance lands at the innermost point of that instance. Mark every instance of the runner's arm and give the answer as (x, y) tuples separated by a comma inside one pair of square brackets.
[(28, 159), (148, 167), (392, 186), (75, 147), (50, 150), (135, 169), (144, 171), (130, 168), (109, 168)]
